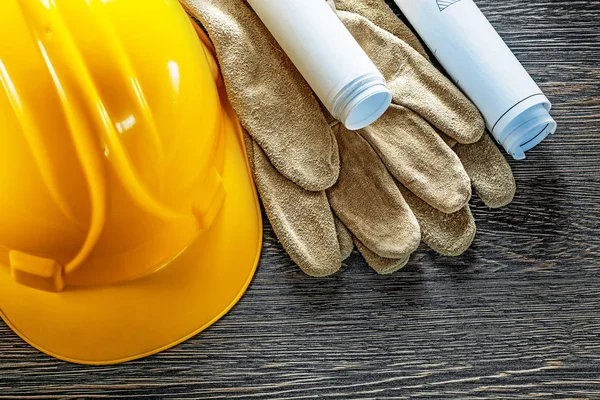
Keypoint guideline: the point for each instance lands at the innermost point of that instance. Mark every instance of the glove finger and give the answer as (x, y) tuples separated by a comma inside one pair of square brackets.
[(381, 265), (489, 171), (415, 83), (367, 201), (446, 234), (344, 238), (417, 156), (273, 101), (382, 15), (301, 219)]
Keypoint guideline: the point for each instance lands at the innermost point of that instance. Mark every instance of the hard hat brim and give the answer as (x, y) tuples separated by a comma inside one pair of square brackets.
[(122, 322)]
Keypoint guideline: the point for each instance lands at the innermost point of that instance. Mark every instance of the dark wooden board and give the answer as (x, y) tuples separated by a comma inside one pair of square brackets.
[(518, 316)]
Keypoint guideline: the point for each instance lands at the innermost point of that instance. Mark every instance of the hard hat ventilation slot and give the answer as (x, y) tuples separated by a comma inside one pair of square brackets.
[(36, 272)]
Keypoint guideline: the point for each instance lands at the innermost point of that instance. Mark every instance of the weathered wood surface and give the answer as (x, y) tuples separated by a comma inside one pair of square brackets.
[(518, 316)]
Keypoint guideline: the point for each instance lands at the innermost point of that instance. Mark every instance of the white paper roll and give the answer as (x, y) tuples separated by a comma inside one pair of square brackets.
[(462, 39), (329, 58)]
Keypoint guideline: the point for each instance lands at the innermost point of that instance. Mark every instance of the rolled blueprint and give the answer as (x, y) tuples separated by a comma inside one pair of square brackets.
[(465, 43), (328, 57)]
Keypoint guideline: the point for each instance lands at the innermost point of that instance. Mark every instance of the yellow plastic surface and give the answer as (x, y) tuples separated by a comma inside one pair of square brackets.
[(128, 217)]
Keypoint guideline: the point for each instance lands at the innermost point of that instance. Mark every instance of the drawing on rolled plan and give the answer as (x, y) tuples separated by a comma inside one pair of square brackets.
[(443, 4)]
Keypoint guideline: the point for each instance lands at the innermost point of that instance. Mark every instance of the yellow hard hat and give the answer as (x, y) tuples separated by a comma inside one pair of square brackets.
[(128, 217)]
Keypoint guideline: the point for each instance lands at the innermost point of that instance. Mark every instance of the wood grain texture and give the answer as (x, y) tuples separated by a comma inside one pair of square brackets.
[(518, 316)]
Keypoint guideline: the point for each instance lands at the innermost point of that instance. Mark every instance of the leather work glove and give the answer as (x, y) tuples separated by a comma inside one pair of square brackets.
[(296, 155), (490, 174)]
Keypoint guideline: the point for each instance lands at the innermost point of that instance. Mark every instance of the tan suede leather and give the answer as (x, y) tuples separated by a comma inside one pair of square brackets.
[(324, 187), (490, 174)]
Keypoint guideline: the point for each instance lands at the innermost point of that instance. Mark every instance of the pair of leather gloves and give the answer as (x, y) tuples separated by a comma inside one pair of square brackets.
[(405, 178)]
